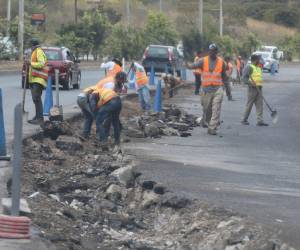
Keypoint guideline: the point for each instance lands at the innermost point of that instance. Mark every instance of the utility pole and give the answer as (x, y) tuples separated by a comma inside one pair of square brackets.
[(200, 9), (160, 6), (21, 29), (128, 12), (76, 11), (8, 17), (221, 18)]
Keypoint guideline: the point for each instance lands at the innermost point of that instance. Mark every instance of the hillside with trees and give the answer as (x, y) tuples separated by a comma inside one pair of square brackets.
[(107, 29)]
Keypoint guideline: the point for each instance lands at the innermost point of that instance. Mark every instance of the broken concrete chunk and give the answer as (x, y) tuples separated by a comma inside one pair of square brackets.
[(175, 201), (68, 143), (159, 189), (125, 175), (151, 130)]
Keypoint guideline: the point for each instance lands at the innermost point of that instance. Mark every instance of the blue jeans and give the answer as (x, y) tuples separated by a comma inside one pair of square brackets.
[(82, 101), (144, 98), (111, 109)]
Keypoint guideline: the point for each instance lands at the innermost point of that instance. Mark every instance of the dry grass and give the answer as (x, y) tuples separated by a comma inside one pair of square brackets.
[(269, 32)]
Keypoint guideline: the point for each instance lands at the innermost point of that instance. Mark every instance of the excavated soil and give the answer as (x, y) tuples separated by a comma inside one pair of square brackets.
[(85, 198)]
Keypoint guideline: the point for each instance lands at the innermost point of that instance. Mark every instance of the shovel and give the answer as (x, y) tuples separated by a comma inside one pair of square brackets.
[(274, 114), (25, 113)]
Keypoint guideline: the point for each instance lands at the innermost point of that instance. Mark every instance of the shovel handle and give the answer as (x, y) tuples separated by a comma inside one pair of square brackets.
[(24, 86)]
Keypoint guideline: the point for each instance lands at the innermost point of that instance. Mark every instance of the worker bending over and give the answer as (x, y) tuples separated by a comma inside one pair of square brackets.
[(141, 86), (213, 79), (252, 76), (84, 102), (112, 67)]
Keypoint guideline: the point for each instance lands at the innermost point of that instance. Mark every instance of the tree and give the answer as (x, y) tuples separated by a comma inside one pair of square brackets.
[(226, 45), (160, 30)]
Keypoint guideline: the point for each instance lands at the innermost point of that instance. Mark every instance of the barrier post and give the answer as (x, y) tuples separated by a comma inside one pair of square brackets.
[(17, 160), (152, 76), (157, 98), (48, 103), (3, 152)]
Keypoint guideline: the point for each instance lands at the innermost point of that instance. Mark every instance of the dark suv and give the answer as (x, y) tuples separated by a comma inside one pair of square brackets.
[(162, 58), (63, 60)]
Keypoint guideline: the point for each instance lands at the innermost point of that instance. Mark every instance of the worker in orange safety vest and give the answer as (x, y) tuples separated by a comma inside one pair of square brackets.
[(112, 67), (229, 71), (141, 85), (213, 79), (197, 74)]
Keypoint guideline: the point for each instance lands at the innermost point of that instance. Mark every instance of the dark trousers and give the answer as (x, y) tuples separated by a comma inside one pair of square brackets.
[(111, 109), (197, 84), (36, 93)]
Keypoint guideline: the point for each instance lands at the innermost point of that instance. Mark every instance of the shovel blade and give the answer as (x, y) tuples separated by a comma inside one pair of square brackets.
[(274, 116)]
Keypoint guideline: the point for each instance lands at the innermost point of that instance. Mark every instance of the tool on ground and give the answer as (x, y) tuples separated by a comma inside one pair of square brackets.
[(273, 112), (25, 113), (56, 112)]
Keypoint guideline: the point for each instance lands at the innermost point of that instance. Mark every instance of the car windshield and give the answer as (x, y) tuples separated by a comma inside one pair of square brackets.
[(264, 55), (53, 55), (158, 52)]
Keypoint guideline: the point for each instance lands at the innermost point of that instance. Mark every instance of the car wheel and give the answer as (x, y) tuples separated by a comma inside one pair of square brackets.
[(77, 85), (68, 84)]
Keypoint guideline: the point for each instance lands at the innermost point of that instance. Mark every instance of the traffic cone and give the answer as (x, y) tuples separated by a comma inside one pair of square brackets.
[(157, 98), (3, 155), (48, 103), (183, 74), (132, 80), (152, 76)]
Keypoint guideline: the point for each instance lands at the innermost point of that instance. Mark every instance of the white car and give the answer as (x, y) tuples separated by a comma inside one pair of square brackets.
[(268, 60)]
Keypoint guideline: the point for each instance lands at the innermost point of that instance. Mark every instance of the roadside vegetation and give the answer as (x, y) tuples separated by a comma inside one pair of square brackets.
[(102, 29)]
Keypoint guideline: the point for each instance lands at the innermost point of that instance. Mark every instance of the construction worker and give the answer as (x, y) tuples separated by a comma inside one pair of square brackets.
[(252, 76), (197, 74), (108, 104), (38, 75), (112, 67), (213, 79), (229, 70), (141, 86), (83, 101)]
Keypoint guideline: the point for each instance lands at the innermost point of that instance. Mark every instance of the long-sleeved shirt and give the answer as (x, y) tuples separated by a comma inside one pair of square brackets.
[(212, 65), (247, 72)]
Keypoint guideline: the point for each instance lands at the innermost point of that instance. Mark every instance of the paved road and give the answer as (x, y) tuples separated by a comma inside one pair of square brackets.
[(252, 170), (12, 94)]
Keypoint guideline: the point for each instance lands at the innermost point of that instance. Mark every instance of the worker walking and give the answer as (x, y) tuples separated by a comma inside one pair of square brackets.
[(38, 76), (112, 67), (84, 102), (239, 63), (213, 79), (252, 76), (197, 74), (229, 70), (141, 86)]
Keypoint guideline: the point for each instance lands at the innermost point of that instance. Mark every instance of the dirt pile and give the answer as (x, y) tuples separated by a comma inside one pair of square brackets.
[(171, 122), (83, 198)]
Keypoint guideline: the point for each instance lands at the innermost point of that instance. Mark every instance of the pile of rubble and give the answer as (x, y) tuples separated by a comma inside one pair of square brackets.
[(170, 122), (83, 198)]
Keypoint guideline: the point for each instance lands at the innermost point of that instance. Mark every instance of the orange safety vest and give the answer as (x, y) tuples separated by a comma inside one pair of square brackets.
[(43, 72), (212, 78), (105, 95), (197, 71), (115, 70), (238, 65), (101, 83), (141, 78)]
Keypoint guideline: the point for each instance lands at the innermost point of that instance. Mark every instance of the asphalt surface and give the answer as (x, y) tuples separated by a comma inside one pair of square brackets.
[(249, 169)]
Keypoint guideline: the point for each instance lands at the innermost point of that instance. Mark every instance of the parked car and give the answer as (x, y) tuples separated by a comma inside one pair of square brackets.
[(268, 59), (63, 60), (7, 49), (162, 57)]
